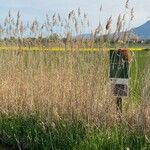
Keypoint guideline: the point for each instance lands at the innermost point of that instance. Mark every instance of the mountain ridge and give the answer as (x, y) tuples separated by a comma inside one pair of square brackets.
[(143, 31)]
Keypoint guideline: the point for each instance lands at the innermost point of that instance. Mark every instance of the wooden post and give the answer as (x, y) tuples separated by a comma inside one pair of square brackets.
[(119, 104), (119, 68)]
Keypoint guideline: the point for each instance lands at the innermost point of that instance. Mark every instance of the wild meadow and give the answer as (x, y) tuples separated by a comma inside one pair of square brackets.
[(55, 91)]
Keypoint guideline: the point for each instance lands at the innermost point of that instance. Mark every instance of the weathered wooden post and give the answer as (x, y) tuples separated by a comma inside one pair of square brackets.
[(119, 68)]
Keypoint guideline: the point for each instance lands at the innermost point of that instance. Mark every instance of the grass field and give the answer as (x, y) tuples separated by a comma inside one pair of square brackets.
[(60, 100), (55, 91)]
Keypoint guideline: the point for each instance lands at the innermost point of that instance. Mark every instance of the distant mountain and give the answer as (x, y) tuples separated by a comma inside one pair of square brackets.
[(143, 31), (132, 35)]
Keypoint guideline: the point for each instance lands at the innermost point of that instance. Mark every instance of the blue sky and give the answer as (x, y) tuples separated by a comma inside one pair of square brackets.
[(31, 9)]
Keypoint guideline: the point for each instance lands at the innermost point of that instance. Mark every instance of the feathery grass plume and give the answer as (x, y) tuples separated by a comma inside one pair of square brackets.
[(9, 16), (71, 14), (79, 12), (34, 27), (119, 23), (123, 18), (13, 21), (47, 19), (127, 4), (123, 22), (76, 26), (117, 37), (101, 8), (108, 24), (132, 14), (18, 20), (21, 28), (54, 20), (59, 17), (97, 31), (88, 23), (85, 16), (106, 35)]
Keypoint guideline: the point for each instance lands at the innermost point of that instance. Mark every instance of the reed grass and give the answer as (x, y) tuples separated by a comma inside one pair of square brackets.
[(61, 100)]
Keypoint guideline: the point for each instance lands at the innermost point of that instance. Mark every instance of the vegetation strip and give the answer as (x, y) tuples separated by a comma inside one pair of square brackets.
[(64, 49)]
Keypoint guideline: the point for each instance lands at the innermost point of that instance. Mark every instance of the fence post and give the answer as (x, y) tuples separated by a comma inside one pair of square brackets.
[(119, 67), (119, 104)]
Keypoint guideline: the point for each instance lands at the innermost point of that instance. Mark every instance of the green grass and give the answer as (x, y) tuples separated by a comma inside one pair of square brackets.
[(31, 133), (116, 138), (136, 74)]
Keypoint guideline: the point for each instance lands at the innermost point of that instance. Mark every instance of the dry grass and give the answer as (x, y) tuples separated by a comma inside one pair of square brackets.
[(62, 87), (69, 85), (66, 86)]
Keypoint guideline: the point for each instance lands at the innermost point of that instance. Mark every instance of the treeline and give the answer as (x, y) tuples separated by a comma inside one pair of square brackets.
[(56, 40)]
